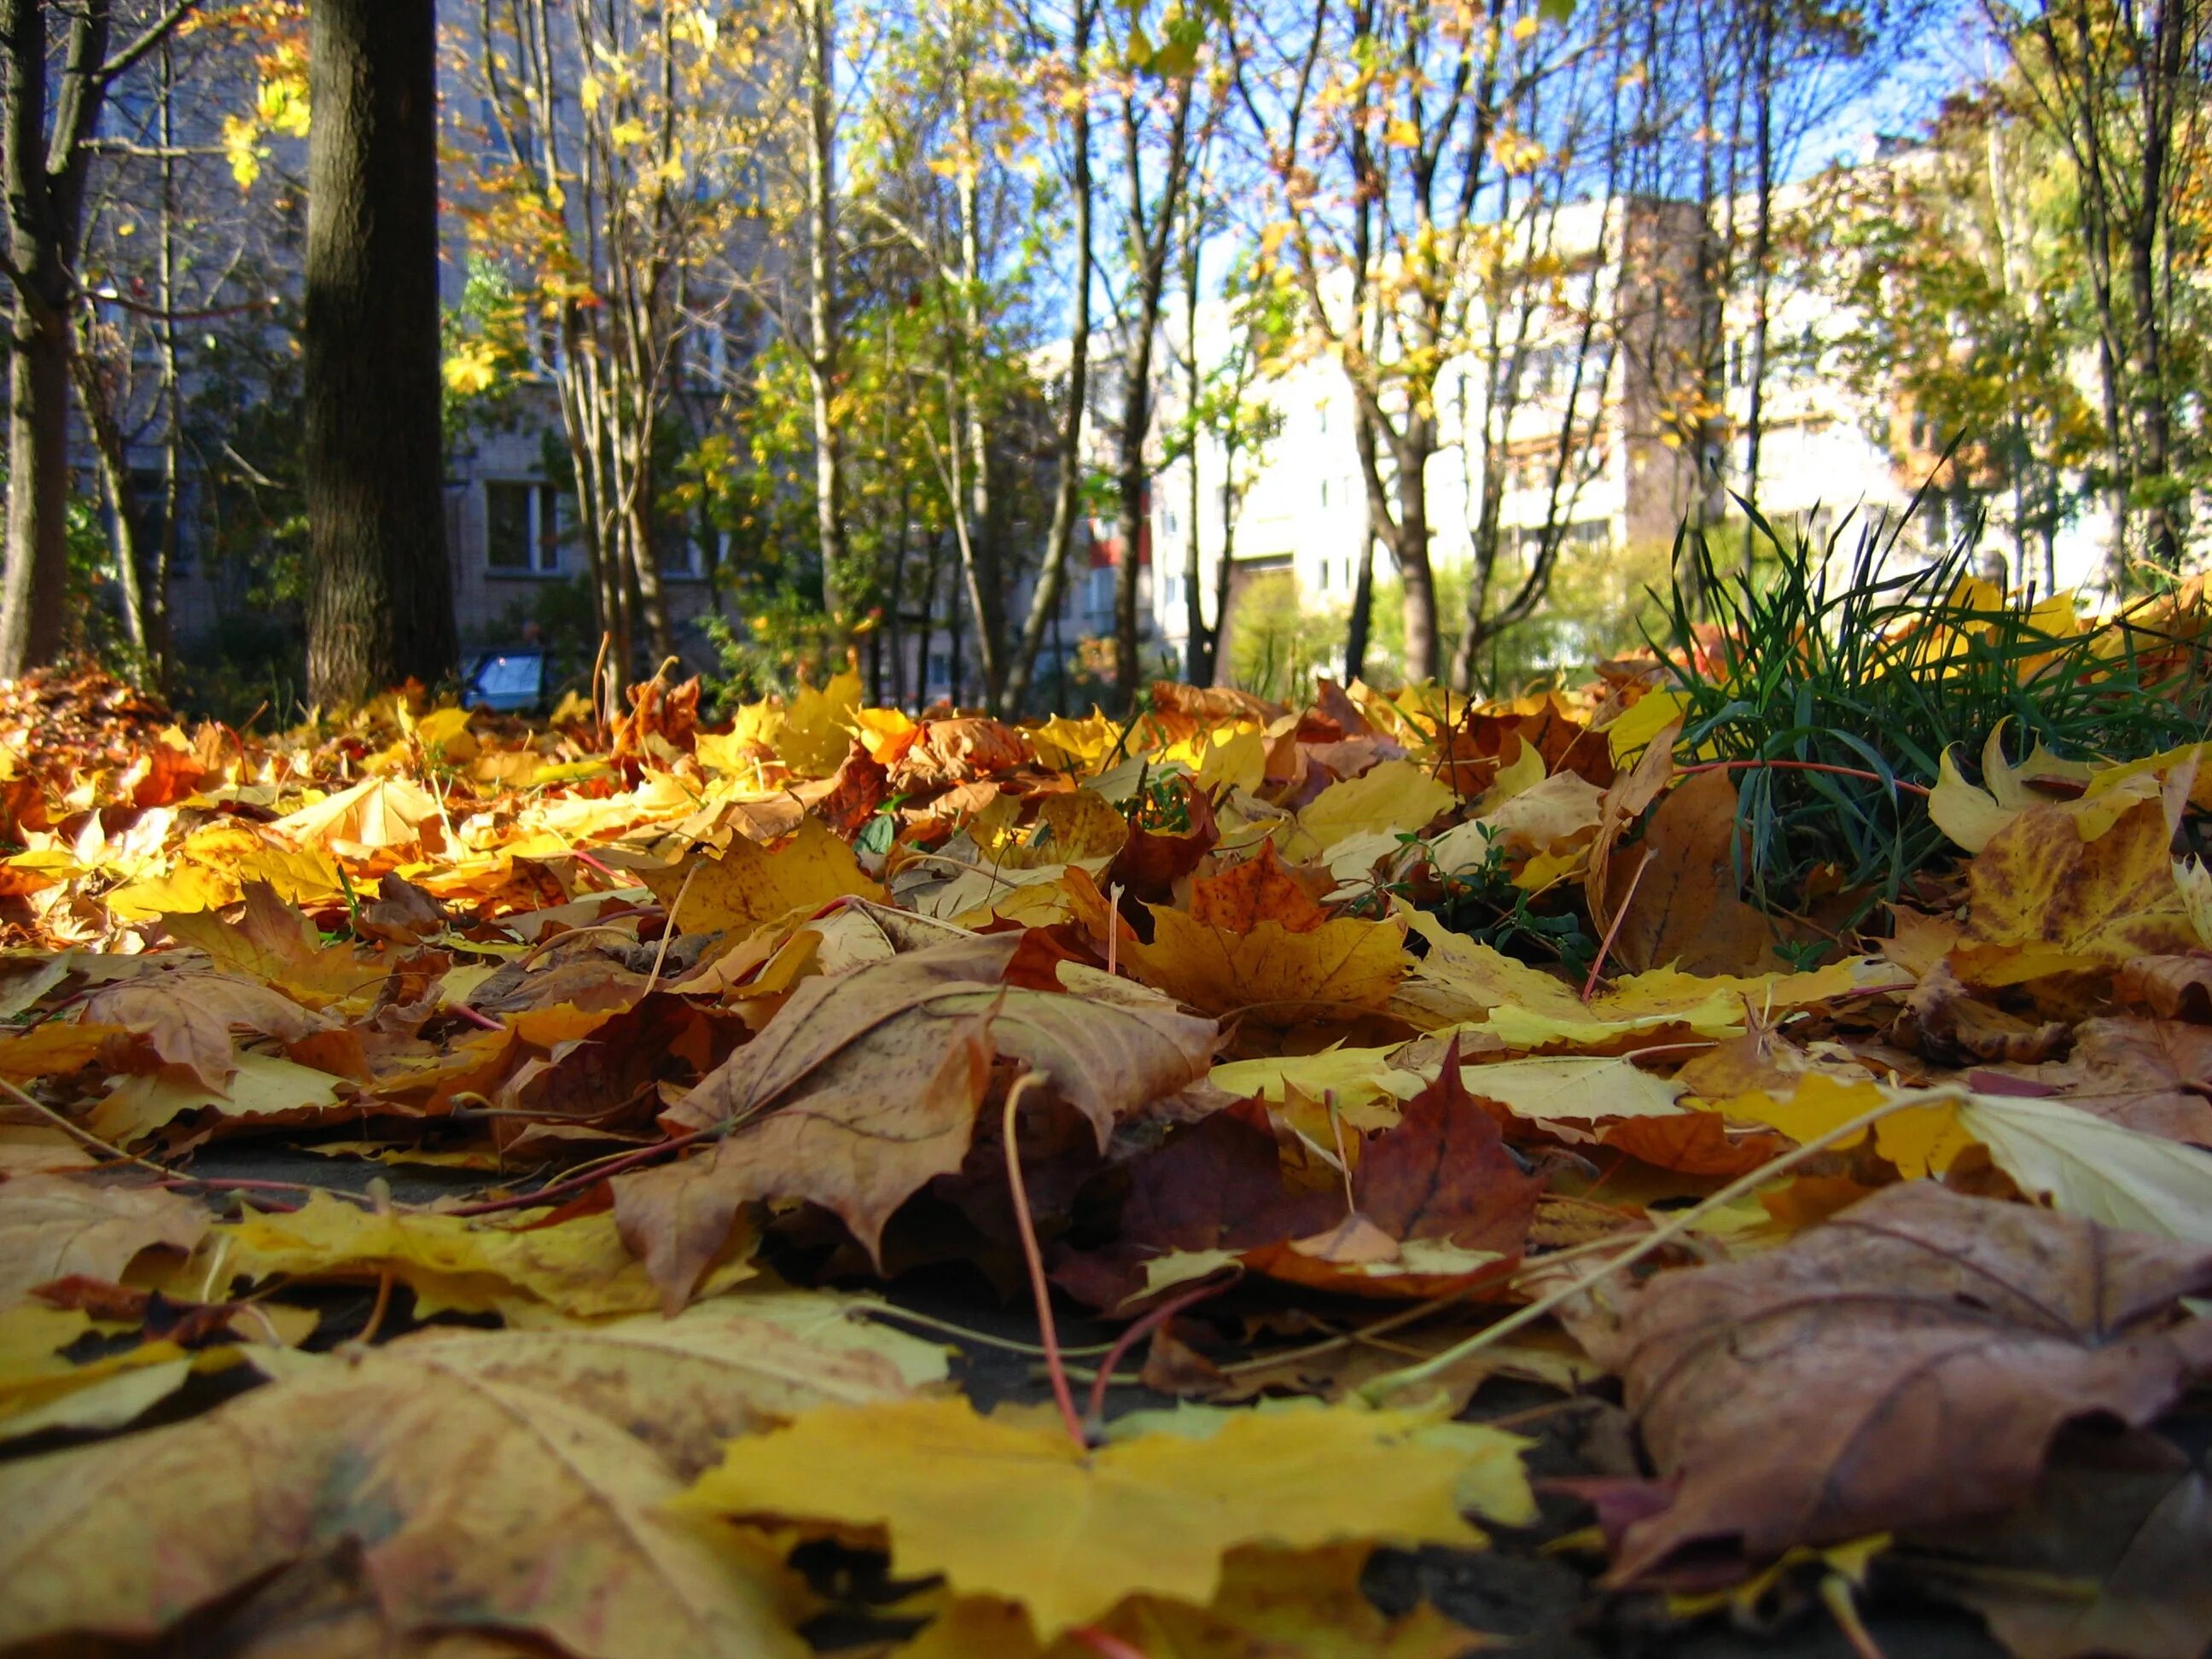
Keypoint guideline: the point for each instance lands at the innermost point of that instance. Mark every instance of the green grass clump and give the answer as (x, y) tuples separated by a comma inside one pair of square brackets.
[(1842, 657)]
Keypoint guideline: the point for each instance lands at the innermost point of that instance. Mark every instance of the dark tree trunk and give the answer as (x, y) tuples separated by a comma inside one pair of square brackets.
[(381, 610), (33, 621), (1067, 485), (44, 186), (1361, 620)]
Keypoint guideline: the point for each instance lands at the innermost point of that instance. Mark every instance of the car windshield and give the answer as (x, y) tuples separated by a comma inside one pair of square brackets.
[(507, 676)]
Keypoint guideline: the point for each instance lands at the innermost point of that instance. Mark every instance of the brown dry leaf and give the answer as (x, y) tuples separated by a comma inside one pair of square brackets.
[(1443, 1173), (2041, 899), (1944, 1021), (955, 751), (475, 1501), (1686, 911), (718, 1370), (2172, 988), (751, 884), (272, 941), (1622, 804), (188, 1017), (2152, 1075), (2107, 1558), (865, 1086), (1905, 1365), (1262, 888), (52, 1226)]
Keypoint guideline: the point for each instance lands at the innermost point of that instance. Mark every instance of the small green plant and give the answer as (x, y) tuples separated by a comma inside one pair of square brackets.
[(1833, 685), (1482, 901)]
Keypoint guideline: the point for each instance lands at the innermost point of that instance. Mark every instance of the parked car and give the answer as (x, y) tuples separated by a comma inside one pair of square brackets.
[(510, 680)]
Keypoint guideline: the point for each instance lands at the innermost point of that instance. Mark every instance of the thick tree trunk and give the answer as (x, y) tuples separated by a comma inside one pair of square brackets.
[(35, 617), (43, 188), (381, 608)]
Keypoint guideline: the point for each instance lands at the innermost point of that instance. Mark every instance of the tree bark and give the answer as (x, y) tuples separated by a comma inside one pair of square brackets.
[(1148, 249), (1362, 620), (821, 315), (1067, 487), (44, 182), (381, 608)]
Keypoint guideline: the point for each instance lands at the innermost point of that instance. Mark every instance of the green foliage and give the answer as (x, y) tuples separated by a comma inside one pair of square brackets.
[(484, 345), (1482, 901), (1843, 658), (1276, 646), (95, 601)]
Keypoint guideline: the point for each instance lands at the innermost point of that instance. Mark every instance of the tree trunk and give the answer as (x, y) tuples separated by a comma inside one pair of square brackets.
[(1068, 486), (822, 316), (1362, 578), (1762, 260), (1197, 643), (44, 184), (381, 608), (33, 621), (1148, 247), (108, 443), (1409, 538)]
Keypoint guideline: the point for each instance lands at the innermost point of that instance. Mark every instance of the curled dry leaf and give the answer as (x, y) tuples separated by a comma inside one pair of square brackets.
[(1905, 1365), (864, 1087), (52, 1226), (187, 1017)]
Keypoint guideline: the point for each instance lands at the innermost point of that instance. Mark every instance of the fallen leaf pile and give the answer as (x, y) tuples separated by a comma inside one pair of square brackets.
[(477, 1186)]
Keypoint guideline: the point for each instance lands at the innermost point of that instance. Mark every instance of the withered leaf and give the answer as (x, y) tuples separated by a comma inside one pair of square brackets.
[(52, 1226), (865, 1086), (1905, 1365), (475, 1501), (188, 1017), (1686, 911)]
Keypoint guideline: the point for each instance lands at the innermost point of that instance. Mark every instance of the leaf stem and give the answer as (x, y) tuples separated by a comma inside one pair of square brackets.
[(1063, 1394), (1095, 1412)]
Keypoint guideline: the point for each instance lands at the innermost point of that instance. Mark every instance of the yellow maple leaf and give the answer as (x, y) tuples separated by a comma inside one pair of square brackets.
[(1270, 974), (2041, 882), (579, 1265), (1004, 1509), (818, 725), (751, 884), (1397, 795)]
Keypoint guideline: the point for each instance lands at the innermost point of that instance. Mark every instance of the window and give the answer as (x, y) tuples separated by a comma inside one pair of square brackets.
[(1324, 496), (522, 528), (1321, 415)]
